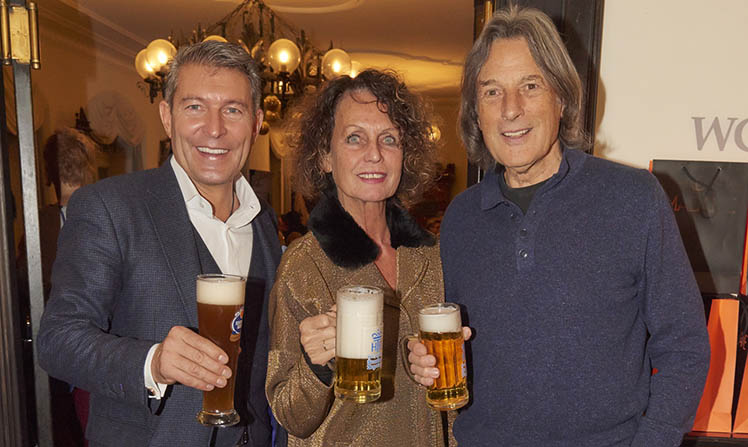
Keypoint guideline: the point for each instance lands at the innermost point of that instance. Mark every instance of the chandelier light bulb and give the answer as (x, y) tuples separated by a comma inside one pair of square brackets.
[(143, 68), (336, 63), (355, 69), (284, 56), (215, 37), (159, 53)]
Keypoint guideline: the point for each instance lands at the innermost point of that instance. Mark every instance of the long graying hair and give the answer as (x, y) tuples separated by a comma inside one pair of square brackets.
[(550, 55), (214, 54)]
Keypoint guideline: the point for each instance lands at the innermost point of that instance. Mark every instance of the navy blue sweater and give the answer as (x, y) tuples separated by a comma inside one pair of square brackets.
[(572, 304)]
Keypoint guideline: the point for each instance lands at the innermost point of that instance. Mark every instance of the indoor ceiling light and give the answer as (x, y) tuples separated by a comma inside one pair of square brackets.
[(434, 133), (215, 37), (143, 68), (290, 66), (336, 62), (284, 56), (355, 68), (151, 63), (158, 53)]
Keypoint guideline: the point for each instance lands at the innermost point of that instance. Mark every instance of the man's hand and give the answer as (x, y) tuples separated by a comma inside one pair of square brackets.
[(318, 336), (191, 360), (423, 365)]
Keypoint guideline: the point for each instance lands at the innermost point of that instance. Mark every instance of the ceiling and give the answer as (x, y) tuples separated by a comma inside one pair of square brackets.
[(425, 40)]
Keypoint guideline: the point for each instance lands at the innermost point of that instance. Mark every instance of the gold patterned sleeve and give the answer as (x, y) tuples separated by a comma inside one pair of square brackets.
[(451, 416), (299, 400)]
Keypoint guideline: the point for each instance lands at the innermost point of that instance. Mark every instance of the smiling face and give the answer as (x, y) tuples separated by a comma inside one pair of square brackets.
[(211, 125), (518, 114), (365, 156)]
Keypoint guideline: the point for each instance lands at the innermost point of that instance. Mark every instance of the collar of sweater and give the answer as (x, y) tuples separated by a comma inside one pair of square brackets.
[(572, 161), (347, 244)]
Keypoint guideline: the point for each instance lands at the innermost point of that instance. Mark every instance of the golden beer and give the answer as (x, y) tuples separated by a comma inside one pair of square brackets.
[(358, 344), (220, 304), (441, 333)]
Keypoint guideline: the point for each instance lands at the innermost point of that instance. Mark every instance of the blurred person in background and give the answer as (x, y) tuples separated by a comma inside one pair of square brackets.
[(69, 157)]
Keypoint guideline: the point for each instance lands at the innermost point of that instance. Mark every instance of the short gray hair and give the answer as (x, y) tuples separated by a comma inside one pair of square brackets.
[(551, 56), (216, 55)]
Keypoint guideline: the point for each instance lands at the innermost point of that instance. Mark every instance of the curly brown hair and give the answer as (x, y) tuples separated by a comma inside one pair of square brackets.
[(311, 133)]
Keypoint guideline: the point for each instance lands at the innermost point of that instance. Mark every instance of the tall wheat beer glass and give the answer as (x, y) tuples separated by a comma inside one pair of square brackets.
[(220, 307), (441, 332), (358, 344)]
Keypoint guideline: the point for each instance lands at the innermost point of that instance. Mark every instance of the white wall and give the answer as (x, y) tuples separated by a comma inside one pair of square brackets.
[(77, 64), (666, 66)]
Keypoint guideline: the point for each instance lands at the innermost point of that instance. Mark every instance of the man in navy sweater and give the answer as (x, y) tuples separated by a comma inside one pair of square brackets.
[(570, 268)]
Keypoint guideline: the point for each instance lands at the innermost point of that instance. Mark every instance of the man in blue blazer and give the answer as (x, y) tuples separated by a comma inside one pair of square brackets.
[(122, 315)]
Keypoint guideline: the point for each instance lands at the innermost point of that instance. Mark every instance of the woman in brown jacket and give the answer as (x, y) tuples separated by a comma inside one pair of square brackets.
[(362, 151)]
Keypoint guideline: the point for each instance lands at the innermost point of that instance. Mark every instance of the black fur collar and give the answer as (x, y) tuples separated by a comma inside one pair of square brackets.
[(347, 245)]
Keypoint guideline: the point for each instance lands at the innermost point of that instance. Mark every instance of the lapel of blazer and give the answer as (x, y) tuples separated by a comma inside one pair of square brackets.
[(412, 266), (263, 264), (174, 231)]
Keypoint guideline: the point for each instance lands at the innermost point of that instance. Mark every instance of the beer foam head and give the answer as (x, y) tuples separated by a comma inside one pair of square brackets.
[(221, 290), (359, 321), (440, 318), (360, 299)]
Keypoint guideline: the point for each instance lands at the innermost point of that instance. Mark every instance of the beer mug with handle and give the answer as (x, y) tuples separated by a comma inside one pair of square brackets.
[(220, 306), (441, 332), (358, 344)]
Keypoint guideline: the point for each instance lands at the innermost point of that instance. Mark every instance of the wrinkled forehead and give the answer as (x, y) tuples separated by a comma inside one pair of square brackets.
[(509, 53), (359, 95), (361, 102)]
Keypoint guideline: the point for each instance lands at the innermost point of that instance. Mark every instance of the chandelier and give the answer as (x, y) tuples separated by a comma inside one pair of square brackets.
[(290, 65)]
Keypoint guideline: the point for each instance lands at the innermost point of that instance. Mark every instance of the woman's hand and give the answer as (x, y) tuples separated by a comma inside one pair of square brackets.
[(318, 336)]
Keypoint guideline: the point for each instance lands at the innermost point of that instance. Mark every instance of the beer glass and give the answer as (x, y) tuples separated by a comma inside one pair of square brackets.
[(358, 343), (441, 333), (220, 307)]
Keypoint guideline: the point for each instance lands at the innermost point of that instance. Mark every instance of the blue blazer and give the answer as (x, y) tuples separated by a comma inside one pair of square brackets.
[(125, 275)]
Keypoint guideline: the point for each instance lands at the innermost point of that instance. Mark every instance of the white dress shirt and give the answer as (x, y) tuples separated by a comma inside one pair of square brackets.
[(230, 242)]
